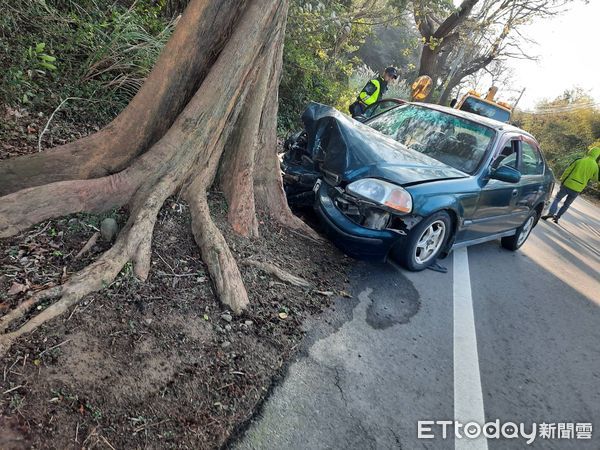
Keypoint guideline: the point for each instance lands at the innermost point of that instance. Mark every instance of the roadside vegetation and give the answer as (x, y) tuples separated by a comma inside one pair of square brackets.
[(95, 52)]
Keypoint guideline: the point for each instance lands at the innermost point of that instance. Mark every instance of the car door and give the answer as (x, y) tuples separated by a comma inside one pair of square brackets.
[(496, 206), (532, 168)]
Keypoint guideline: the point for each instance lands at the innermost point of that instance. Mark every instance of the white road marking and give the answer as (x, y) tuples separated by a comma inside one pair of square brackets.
[(468, 396)]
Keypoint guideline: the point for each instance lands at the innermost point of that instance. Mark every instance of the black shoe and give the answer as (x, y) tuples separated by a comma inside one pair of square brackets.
[(555, 219), (547, 216)]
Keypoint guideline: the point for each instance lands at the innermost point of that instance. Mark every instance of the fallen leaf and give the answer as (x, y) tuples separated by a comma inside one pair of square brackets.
[(325, 293), (283, 315), (17, 288), (205, 316), (345, 294), (37, 362), (14, 112)]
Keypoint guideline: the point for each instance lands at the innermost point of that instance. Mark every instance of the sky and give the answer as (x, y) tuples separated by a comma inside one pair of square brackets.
[(567, 47), (567, 51)]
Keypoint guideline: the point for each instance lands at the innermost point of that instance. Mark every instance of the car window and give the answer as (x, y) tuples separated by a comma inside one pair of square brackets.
[(380, 107), (508, 156), (455, 141), (531, 160), (483, 108)]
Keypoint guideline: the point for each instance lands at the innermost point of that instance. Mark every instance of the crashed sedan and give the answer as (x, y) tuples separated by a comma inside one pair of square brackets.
[(417, 181)]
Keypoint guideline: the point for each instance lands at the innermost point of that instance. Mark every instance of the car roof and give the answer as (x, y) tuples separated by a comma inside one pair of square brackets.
[(495, 124)]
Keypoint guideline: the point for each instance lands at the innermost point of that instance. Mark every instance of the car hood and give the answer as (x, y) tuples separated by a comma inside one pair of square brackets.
[(349, 150)]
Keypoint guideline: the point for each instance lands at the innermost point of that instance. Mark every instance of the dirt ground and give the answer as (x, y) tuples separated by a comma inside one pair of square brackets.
[(159, 364)]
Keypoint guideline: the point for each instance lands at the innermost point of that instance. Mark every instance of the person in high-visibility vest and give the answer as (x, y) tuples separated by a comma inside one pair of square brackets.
[(573, 181), (373, 92)]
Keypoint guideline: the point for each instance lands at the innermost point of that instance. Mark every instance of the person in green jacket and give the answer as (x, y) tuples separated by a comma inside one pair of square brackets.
[(573, 181)]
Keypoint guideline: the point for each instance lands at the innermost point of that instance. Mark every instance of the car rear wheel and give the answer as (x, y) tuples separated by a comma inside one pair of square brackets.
[(425, 242), (515, 242)]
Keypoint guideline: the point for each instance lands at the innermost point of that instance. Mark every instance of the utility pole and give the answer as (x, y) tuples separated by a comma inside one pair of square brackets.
[(518, 100)]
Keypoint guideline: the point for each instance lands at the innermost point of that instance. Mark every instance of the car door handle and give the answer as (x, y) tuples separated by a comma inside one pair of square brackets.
[(515, 192)]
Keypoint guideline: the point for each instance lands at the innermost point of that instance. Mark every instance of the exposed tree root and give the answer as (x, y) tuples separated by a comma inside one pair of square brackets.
[(187, 155), (25, 208), (219, 260), (88, 245), (272, 269), (26, 305), (130, 246)]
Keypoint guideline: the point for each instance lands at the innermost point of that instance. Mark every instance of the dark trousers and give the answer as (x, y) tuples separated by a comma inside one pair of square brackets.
[(357, 109), (562, 193)]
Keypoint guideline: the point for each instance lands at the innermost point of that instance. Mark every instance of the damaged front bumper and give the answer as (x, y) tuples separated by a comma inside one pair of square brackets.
[(361, 230)]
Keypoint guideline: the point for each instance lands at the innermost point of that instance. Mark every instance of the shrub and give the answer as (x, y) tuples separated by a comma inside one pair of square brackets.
[(54, 49)]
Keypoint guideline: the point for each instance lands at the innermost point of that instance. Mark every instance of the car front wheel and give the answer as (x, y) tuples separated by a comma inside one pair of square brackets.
[(515, 242), (425, 242)]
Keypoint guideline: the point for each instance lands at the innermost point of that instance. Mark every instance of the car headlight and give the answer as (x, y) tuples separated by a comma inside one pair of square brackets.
[(386, 194)]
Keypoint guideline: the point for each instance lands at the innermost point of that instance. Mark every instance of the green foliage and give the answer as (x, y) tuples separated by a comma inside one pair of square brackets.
[(329, 43), (396, 44), (317, 60), (53, 49), (39, 59), (128, 51)]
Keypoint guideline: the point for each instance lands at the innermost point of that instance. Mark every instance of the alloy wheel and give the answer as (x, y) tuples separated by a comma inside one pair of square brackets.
[(524, 234), (430, 242)]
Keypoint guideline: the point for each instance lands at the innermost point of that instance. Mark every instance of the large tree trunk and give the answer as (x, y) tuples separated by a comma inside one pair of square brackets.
[(429, 66), (428, 62), (227, 127), (448, 88)]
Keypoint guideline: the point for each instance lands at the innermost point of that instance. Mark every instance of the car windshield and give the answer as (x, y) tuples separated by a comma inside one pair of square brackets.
[(478, 106), (457, 142)]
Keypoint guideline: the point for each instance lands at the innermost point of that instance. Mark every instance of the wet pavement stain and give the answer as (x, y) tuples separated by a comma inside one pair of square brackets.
[(393, 301)]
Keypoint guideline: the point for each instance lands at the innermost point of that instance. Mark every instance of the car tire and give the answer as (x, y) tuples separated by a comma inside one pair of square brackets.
[(513, 243), (418, 252)]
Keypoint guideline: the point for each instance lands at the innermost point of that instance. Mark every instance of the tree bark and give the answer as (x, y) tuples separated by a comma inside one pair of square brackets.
[(444, 98), (236, 173)]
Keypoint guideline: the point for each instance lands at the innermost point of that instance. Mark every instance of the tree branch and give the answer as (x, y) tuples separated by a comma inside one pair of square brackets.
[(455, 19)]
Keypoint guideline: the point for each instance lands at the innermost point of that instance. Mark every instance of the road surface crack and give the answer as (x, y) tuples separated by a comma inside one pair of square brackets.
[(336, 381)]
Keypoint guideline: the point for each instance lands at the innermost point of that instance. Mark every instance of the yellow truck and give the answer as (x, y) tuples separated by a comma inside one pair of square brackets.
[(473, 102)]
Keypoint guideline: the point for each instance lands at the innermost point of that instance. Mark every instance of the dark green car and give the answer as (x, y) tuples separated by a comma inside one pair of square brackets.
[(417, 181)]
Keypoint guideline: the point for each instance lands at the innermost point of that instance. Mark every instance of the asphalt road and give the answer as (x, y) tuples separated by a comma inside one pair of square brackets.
[(513, 337)]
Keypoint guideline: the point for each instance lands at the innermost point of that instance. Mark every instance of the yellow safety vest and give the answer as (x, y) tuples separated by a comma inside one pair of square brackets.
[(370, 99)]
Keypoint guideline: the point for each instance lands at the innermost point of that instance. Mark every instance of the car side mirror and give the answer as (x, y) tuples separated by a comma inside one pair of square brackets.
[(506, 174)]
